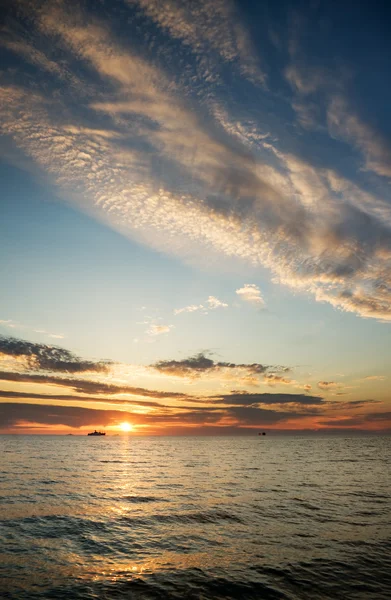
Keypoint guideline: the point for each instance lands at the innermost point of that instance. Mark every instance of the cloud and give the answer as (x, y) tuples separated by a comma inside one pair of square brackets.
[(373, 378), (14, 325), (13, 415), (87, 386), (156, 408), (207, 412), (307, 80), (189, 309), (107, 392), (329, 385), (251, 399), (200, 365), (159, 329), (351, 404), (248, 415), (375, 147), (48, 358), (252, 294), (212, 303), (8, 323), (189, 367), (18, 42), (209, 29), (236, 410), (51, 358), (273, 379), (212, 403), (73, 398), (367, 421), (155, 327), (149, 157)]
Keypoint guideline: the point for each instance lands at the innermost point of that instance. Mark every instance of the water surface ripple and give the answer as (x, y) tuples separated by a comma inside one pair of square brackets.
[(198, 518)]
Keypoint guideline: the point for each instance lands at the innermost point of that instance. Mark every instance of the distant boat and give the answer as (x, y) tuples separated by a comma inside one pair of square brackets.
[(97, 433), (263, 433)]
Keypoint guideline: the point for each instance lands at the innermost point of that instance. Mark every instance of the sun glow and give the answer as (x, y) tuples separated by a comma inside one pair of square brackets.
[(126, 427)]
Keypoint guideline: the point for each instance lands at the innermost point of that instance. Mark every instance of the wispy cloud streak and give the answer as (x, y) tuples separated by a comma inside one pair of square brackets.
[(211, 29)]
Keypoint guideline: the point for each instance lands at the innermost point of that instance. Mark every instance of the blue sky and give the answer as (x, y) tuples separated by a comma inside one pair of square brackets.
[(199, 179)]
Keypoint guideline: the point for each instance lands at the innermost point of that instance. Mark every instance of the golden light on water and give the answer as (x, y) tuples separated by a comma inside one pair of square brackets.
[(126, 427)]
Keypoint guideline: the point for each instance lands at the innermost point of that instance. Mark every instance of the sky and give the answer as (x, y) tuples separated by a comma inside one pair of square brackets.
[(195, 217)]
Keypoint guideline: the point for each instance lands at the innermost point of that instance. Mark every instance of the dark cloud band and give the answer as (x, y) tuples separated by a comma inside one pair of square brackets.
[(196, 365), (49, 358)]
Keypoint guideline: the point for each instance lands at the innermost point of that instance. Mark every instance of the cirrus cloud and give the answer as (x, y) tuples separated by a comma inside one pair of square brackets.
[(150, 156)]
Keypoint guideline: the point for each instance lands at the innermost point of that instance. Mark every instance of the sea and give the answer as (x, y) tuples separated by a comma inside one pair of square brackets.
[(257, 517)]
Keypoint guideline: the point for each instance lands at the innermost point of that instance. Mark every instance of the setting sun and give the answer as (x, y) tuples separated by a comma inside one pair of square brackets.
[(126, 427)]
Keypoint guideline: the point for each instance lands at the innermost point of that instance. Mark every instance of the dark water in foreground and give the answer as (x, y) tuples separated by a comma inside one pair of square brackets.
[(197, 518)]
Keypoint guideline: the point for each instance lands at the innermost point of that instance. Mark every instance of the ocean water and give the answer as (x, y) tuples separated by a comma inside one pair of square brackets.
[(221, 517)]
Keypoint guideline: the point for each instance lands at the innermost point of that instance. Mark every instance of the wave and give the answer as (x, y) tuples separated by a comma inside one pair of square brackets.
[(143, 499), (191, 584), (212, 516), (317, 579)]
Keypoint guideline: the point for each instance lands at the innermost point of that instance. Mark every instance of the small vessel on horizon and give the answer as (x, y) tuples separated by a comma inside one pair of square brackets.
[(97, 433)]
